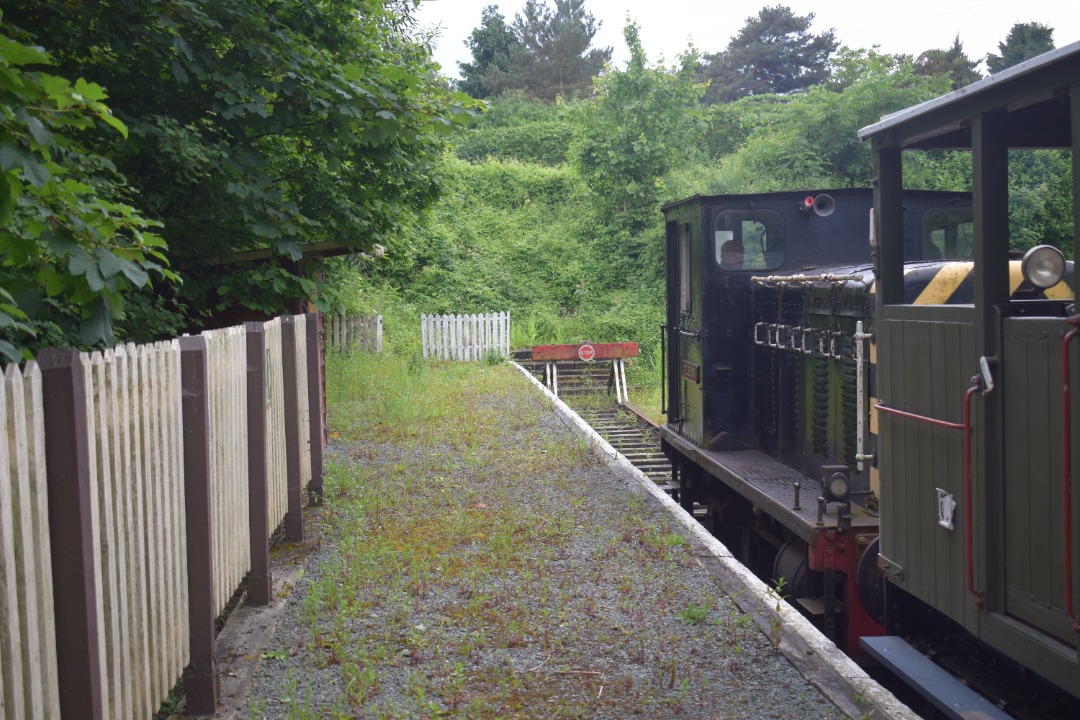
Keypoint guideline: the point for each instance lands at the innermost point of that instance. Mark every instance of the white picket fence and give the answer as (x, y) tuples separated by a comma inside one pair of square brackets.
[(465, 337), (135, 437), (350, 332), (134, 423), (226, 351), (28, 679)]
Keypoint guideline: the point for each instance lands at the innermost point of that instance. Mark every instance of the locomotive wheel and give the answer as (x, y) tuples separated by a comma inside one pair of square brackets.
[(870, 583), (791, 564)]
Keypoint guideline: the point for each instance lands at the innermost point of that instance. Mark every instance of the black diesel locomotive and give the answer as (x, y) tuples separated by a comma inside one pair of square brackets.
[(868, 393)]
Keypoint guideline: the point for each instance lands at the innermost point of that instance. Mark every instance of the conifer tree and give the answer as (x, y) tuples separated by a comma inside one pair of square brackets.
[(1024, 41), (558, 58), (775, 52)]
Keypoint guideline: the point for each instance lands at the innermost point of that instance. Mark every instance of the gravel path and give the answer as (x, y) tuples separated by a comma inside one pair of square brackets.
[(483, 564)]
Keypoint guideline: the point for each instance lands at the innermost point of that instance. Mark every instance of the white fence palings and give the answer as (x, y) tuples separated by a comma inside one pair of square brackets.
[(465, 337), (138, 510), (28, 679), (302, 406), (350, 332), (227, 389), (276, 470)]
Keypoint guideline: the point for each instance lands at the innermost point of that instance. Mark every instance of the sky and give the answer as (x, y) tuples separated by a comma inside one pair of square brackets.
[(668, 26)]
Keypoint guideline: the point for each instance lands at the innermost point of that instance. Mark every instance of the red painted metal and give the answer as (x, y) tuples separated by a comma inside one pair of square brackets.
[(839, 550), (601, 351), (921, 418), (1066, 433)]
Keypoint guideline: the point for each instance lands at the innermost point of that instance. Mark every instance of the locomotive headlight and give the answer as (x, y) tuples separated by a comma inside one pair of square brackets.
[(838, 488), (1043, 266), (837, 482)]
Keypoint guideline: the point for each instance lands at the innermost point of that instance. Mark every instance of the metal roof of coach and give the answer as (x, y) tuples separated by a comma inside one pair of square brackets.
[(1034, 94)]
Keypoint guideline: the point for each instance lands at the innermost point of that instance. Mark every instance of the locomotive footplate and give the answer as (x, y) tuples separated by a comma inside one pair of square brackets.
[(770, 485)]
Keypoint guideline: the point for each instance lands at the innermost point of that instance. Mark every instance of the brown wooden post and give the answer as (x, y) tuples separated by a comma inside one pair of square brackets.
[(259, 580), (71, 533), (316, 401), (294, 435), (200, 676)]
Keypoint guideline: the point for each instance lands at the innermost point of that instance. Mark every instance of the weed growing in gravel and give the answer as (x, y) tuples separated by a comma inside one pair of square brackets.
[(776, 594), (480, 569), (694, 614)]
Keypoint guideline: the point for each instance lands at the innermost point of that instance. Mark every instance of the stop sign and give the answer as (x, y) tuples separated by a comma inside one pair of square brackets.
[(586, 352)]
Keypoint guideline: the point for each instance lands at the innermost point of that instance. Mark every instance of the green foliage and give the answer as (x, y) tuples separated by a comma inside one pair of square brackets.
[(774, 52), (71, 245), (809, 139), (556, 59), (1024, 41), (1040, 199), (517, 129), (953, 63), (640, 123), (263, 124), (492, 45)]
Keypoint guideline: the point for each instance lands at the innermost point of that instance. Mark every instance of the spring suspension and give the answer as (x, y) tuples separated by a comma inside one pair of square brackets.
[(819, 423), (789, 425)]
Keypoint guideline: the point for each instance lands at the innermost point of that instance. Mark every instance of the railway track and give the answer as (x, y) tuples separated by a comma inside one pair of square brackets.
[(582, 386)]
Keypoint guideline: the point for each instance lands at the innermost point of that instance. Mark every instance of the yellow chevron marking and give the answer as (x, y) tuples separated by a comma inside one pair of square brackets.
[(1015, 277), (944, 284), (1061, 291)]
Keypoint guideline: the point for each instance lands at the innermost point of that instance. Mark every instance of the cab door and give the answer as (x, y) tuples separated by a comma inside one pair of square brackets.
[(689, 335), (1034, 531)]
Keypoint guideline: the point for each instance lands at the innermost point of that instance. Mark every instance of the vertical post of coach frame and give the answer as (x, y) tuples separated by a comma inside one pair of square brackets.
[(259, 580), (200, 676), (316, 405), (294, 433), (72, 534), (990, 211)]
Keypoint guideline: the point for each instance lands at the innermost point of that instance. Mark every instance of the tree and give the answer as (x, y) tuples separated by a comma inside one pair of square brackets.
[(1024, 41), (492, 45), (639, 124), (809, 139), (557, 59), (70, 244), (261, 124), (773, 53), (953, 62)]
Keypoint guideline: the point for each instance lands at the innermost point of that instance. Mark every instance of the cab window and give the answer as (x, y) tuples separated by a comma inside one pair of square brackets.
[(749, 239), (948, 234)]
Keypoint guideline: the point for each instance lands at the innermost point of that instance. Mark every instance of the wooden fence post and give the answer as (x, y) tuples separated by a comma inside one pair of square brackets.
[(294, 436), (315, 406), (200, 676), (72, 535), (259, 580)]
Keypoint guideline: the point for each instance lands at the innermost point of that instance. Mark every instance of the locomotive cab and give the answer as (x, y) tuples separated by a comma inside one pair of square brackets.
[(770, 310)]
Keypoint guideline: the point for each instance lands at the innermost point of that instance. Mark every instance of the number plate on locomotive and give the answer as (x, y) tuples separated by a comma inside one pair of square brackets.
[(691, 371)]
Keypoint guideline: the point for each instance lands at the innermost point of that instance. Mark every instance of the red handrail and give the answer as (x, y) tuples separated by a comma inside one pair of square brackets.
[(1066, 434), (921, 418)]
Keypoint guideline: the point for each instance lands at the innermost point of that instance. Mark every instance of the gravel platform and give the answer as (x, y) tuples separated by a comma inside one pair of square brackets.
[(497, 569)]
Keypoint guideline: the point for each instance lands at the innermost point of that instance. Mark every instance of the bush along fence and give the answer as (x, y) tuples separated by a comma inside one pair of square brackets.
[(138, 488), (345, 333), (465, 337)]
